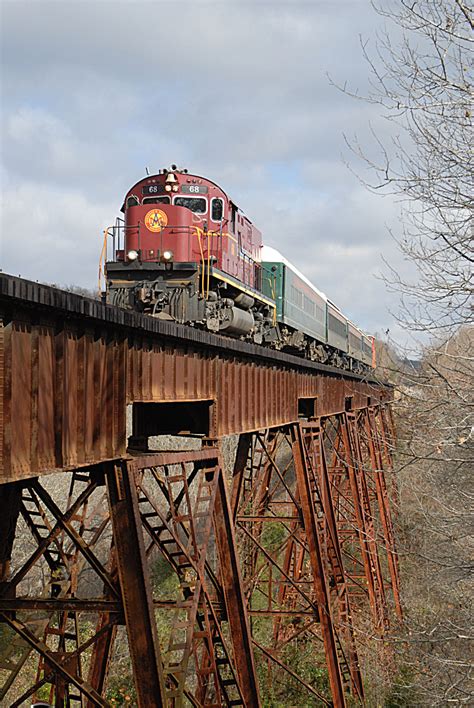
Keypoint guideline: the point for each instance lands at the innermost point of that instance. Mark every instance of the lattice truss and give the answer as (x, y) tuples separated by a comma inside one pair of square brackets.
[(45, 596), (274, 577), (320, 571)]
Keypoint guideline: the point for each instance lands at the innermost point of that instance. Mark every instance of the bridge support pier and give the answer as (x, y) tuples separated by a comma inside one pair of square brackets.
[(221, 584), (293, 574), (135, 585)]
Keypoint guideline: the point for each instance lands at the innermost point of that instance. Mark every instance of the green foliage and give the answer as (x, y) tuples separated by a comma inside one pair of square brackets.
[(6, 636), (273, 536), (279, 690), (121, 692), (163, 578), (43, 693)]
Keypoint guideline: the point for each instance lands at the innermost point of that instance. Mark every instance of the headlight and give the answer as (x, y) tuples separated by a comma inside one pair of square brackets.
[(167, 255), (132, 255)]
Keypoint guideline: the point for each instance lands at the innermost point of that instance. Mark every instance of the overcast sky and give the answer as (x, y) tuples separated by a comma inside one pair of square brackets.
[(92, 92)]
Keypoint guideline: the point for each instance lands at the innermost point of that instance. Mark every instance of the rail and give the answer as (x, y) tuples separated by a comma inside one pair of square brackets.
[(36, 295)]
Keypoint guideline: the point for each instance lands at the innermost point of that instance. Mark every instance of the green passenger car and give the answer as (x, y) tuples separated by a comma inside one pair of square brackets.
[(299, 304)]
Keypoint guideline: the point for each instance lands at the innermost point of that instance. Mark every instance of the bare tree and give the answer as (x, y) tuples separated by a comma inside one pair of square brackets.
[(422, 80), (421, 73), (77, 290), (435, 458)]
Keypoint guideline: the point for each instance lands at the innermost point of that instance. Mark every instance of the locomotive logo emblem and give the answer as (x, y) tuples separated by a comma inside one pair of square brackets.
[(155, 220)]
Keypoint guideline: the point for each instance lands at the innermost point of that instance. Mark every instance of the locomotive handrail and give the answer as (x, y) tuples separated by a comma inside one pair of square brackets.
[(207, 249), (102, 259), (180, 228)]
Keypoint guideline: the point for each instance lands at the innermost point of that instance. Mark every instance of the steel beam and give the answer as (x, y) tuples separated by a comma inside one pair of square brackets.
[(278, 489), (324, 507), (320, 588), (60, 667), (234, 597), (376, 460), (69, 366), (135, 586), (364, 520)]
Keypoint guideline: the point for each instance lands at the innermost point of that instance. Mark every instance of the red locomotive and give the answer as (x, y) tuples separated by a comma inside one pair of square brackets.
[(188, 253), (185, 251)]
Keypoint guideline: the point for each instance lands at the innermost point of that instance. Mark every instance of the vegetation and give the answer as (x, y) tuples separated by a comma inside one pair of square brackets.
[(422, 81)]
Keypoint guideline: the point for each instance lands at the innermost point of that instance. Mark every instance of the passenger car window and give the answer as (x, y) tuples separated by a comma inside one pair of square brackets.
[(336, 326), (196, 204)]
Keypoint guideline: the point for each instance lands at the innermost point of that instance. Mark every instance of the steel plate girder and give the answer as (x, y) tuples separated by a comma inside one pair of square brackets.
[(68, 372)]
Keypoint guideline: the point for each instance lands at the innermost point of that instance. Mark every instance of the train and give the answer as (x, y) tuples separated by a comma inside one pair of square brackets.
[(184, 251)]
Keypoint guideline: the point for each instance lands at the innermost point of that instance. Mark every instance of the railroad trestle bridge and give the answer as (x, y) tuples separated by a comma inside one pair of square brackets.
[(282, 560)]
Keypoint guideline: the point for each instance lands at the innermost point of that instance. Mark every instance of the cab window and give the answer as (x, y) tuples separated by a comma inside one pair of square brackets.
[(196, 204), (233, 216), (132, 201), (156, 200), (217, 209)]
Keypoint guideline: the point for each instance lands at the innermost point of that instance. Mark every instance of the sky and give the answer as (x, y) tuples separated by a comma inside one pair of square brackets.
[(239, 92)]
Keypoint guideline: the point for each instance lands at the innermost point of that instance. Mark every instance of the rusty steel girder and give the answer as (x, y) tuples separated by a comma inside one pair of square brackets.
[(327, 507), (295, 584), (69, 367)]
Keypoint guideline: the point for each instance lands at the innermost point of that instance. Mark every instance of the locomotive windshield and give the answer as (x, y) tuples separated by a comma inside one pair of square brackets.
[(156, 200), (196, 204)]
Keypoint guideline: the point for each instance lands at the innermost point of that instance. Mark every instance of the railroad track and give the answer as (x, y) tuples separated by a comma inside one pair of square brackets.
[(45, 297)]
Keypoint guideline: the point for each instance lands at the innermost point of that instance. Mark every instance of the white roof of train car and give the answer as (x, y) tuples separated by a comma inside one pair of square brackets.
[(271, 254)]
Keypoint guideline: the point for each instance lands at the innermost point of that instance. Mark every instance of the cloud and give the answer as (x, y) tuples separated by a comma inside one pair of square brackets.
[(51, 235), (238, 91), (42, 146)]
